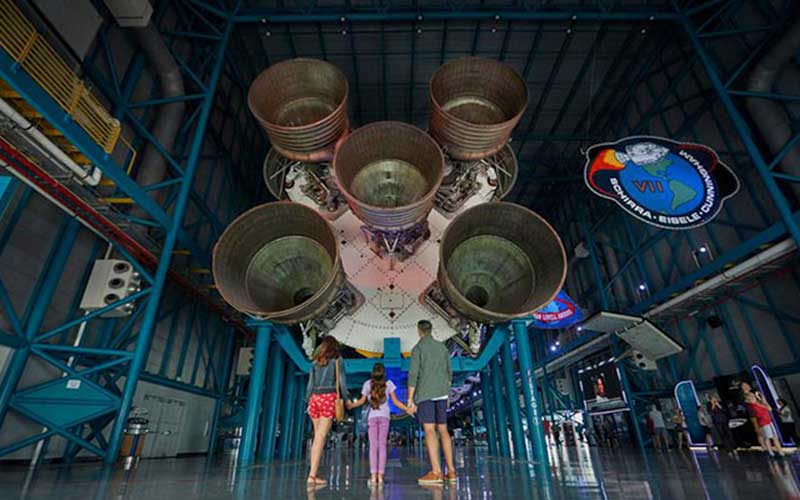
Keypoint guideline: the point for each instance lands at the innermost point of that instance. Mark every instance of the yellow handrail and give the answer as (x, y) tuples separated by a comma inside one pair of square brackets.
[(19, 38), (133, 154)]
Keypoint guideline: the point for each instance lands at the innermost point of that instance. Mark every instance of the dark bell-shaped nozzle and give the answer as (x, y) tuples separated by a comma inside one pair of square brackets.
[(302, 105), (498, 261), (389, 173), (475, 104), (278, 261)]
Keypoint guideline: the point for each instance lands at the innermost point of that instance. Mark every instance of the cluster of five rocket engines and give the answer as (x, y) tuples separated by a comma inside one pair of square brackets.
[(497, 260)]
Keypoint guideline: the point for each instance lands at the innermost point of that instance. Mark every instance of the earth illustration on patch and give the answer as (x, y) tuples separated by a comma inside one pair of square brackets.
[(673, 185)]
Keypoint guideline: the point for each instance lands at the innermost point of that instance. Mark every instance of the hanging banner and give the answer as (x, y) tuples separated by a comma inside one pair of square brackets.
[(561, 312), (672, 185)]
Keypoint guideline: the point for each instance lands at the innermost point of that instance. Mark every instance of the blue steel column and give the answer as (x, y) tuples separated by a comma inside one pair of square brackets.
[(42, 302), (499, 404), (255, 395), (175, 227), (287, 416), (547, 396), (299, 422), (528, 377), (272, 404), (743, 129), (514, 414), (488, 413), (222, 388), (629, 394), (291, 435)]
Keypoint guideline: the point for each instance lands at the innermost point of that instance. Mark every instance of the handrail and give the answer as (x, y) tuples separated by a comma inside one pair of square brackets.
[(26, 46)]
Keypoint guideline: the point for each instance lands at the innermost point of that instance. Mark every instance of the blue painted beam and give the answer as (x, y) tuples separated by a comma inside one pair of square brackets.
[(514, 414), (499, 406), (528, 383), (255, 393), (222, 388), (174, 229), (272, 406), (174, 384), (40, 305), (565, 13), (25, 86), (742, 127), (12, 341), (460, 364), (290, 394), (488, 413)]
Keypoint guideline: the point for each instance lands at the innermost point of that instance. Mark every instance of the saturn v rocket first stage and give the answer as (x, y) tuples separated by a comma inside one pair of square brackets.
[(390, 225)]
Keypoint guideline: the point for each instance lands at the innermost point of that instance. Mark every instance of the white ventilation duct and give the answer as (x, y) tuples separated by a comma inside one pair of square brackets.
[(45, 146), (774, 124)]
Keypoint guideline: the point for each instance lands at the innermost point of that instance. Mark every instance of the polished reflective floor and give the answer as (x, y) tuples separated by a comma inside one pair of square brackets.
[(571, 473)]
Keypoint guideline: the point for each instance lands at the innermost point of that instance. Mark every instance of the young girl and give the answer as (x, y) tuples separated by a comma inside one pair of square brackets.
[(377, 389), (761, 418)]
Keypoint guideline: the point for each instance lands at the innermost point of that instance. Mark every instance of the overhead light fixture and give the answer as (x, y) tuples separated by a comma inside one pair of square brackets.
[(702, 255)]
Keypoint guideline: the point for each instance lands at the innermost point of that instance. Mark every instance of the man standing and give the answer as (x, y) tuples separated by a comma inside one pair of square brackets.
[(429, 379), (659, 428)]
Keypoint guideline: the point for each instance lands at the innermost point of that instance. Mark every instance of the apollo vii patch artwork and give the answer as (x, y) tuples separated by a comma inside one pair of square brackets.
[(669, 184)]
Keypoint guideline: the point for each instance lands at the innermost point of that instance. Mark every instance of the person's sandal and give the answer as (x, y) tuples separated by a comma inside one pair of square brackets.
[(451, 477), (431, 478), (315, 481)]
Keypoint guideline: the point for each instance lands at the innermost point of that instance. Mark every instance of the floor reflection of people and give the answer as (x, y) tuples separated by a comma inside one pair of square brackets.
[(439, 492), (785, 478), (312, 489), (376, 492)]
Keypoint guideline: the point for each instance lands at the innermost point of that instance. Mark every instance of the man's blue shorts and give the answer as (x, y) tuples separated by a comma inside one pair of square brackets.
[(432, 412)]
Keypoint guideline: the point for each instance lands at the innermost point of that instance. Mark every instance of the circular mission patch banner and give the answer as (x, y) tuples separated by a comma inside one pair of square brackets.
[(669, 184)]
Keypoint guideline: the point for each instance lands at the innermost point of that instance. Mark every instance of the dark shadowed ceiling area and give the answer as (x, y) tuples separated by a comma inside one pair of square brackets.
[(577, 67)]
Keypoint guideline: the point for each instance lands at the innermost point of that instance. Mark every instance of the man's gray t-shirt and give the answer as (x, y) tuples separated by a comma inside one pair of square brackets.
[(430, 372)]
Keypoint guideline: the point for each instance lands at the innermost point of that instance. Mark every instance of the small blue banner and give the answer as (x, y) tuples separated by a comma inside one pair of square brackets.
[(561, 312)]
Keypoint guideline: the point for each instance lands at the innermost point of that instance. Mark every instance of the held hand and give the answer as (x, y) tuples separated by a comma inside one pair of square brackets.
[(411, 408)]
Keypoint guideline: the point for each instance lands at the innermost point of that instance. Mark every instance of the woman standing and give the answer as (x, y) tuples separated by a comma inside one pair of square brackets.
[(378, 390), (679, 421), (326, 372)]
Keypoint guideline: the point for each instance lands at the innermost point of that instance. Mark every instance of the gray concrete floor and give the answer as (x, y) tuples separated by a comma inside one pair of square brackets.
[(572, 473)]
